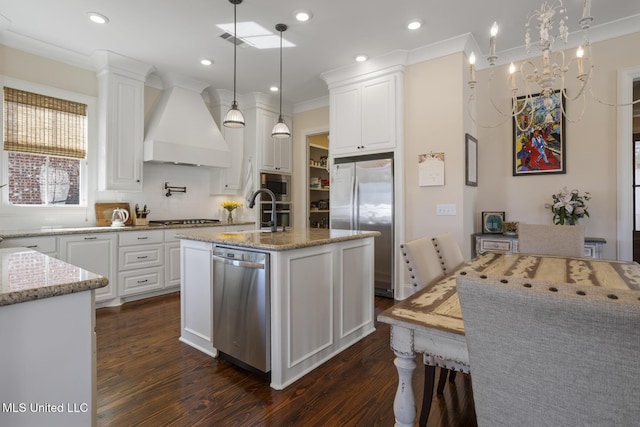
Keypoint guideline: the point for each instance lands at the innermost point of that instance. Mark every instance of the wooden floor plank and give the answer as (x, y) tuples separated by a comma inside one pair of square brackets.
[(146, 377)]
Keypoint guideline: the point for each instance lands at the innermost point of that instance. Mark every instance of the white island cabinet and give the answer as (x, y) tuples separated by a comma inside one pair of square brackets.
[(47, 325), (321, 293)]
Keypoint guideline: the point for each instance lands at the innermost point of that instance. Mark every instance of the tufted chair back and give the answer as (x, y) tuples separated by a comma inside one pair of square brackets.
[(545, 239), (551, 354)]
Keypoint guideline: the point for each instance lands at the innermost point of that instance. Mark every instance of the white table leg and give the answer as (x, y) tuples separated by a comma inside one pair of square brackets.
[(404, 405)]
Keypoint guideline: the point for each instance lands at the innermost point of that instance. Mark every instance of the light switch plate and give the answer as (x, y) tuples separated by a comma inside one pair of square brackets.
[(446, 209)]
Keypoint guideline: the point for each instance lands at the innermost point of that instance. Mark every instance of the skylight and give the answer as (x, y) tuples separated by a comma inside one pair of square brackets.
[(256, 35)]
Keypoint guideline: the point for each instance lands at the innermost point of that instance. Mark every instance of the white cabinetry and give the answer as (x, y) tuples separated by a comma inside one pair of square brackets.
[(172, 255), (46, 245), (48, 356), (121, 120), (196, 296), (364, 115), (96, 253), (140, 258), (276, 152), (227, 180), (271, 154)]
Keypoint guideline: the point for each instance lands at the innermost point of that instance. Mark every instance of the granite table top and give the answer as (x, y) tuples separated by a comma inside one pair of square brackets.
[(27, 275), (293, 238), (60, 231)]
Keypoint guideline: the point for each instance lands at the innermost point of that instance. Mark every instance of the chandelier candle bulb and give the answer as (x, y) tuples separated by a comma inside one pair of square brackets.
[(512, 76), (580, 55), (472, 68), (492, 43)]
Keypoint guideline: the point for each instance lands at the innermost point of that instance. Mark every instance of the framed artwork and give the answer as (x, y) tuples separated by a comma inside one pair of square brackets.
[(492, 222), (539, 136), (471, 160)]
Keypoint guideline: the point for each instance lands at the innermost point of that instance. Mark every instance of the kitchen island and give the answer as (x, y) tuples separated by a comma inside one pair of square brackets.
[(321, 293), (47, 326)]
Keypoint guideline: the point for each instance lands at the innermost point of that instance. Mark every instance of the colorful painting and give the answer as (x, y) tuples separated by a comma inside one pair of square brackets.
[(539, 136)]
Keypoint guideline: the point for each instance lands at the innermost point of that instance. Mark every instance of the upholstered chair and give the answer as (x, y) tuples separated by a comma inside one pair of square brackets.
[(422, 262), (449, 252), (545, 239), (551, 354), (424, 268)]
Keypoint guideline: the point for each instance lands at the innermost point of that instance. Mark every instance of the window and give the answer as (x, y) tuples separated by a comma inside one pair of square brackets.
[(46, 140)]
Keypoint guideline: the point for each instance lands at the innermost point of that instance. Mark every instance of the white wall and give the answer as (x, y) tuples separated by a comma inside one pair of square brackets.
[(590, 149), (434, 121)]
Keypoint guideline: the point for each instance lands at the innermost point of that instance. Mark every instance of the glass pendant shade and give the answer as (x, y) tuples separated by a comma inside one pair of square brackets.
[(281, 130), (234, 117)]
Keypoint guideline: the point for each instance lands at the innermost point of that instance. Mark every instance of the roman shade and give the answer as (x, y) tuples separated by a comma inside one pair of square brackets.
[(40, 124)]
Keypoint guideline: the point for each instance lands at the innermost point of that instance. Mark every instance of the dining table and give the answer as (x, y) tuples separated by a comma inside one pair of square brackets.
[(430, 321)]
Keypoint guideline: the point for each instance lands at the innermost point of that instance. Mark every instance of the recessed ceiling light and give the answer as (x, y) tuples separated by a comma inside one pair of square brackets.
[(303, 15), (361, 58), (273, 88), (206, 62), (414, 24), (98, 18)]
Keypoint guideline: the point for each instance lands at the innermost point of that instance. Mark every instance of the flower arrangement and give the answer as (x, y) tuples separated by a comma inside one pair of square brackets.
[(230, 206), (569, 206)]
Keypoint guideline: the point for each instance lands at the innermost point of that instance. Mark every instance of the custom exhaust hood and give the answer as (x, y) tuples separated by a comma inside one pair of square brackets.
[(181, 129)]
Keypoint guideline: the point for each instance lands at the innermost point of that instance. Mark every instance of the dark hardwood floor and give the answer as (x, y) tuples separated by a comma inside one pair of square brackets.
[(146, 377)]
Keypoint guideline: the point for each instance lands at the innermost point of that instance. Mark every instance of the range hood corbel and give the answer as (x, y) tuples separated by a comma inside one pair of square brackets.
[(181, 129)]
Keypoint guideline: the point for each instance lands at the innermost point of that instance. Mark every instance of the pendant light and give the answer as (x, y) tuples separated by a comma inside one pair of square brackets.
[(281, 130), (234, 117)]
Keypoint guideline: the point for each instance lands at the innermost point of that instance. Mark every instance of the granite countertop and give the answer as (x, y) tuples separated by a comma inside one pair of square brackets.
[(56, 231), (293, 238), (27, 275)]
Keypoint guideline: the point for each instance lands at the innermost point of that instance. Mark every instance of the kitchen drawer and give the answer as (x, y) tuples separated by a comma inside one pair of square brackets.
[(140, 281), (140, 237), (141, 256), (489, 245), (45, 245)]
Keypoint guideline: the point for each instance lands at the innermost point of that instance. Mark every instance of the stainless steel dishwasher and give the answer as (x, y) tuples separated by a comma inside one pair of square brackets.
[(241, 306)]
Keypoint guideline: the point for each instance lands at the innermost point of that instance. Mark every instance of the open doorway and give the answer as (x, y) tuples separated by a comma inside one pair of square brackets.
[(318, 180), (636, 172)]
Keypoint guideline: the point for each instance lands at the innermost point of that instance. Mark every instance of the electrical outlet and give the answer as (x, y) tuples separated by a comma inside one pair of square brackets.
[(446, 209)]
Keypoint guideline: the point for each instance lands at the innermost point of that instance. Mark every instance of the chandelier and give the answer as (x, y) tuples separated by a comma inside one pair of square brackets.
[(539, 89)]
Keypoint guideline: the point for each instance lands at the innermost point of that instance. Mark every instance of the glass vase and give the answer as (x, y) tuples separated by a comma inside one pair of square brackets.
[(230, 217)]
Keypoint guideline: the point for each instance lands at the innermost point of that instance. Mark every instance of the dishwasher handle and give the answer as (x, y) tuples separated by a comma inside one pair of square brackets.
[(238, 263)]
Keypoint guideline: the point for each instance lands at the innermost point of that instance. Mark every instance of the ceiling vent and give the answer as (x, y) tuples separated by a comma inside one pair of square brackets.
[(236, 40)]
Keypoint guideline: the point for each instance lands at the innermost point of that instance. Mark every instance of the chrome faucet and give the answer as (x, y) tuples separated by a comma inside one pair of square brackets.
[(252, 201)]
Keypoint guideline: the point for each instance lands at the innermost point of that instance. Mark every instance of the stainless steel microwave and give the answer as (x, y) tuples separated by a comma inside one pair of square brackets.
[(279, 184)]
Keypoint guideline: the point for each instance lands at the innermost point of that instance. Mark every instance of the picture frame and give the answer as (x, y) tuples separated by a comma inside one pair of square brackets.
[(492, 222), (471, 160), (539, 136)]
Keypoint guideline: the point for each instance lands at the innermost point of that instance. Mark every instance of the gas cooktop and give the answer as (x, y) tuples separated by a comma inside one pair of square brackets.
[(184, 221)]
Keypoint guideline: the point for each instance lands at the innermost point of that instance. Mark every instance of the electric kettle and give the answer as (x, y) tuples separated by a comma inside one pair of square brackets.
[(119, 217)]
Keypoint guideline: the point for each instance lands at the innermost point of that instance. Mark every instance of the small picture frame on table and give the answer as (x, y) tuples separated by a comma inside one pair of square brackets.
[(492, 222)]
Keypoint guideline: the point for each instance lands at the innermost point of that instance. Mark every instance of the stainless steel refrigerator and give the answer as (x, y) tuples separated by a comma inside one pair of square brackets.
[(362, 199)]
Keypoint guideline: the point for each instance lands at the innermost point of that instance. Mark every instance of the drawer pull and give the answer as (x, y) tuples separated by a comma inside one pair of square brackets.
[(90, 238), (32, 246), (143, 238), (143, 281), (143, 257)]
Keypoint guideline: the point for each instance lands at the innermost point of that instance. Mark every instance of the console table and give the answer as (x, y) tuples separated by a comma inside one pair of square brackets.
[(481, 243)]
